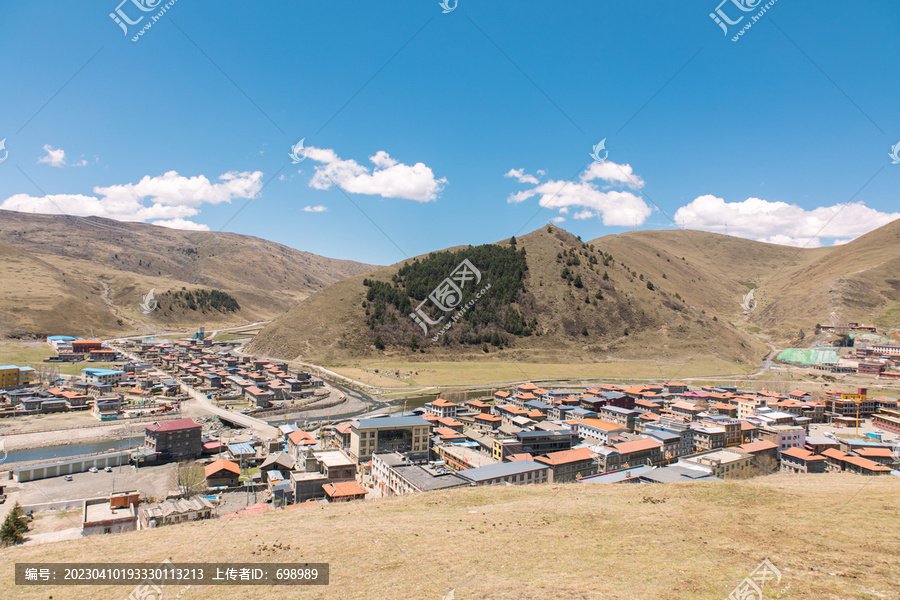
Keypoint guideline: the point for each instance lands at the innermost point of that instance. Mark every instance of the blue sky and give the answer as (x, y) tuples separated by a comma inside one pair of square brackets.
[(425, 129)]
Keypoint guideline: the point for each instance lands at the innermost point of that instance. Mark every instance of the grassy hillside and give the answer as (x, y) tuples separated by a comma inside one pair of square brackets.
[(795, 288), (830, 536), (65, 275), (578, 302)]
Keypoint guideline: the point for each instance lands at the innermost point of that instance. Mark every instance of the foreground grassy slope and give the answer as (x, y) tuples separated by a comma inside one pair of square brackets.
[(831, 536), (65, 275)]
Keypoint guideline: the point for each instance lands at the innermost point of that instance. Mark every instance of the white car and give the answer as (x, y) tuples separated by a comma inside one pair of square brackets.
[(92, 470), (108, 469)]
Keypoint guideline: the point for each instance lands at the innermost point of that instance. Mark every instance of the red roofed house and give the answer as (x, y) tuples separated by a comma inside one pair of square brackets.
[(222, 473), (569, 465), (174, 440), (800, 460), (635, 453), (442, 408), (344, 491)]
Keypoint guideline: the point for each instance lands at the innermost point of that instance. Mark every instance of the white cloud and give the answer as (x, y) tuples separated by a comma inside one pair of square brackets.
[(54, 158), (389, 178), (315, 209), (613, 173), (522, 176), (166, 200), (613, 207), (781, 223), (182, 224), (558, 220)]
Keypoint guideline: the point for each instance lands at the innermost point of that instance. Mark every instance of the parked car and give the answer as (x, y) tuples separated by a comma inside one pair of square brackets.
[(92, 470), (108, 469), (68, 478)]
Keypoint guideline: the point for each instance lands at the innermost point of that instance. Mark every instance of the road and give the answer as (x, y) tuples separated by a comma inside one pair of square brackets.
[(260, 427)]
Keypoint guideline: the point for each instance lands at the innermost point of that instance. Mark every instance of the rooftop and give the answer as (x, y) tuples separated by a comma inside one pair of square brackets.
[(501, 470), (391, 423)]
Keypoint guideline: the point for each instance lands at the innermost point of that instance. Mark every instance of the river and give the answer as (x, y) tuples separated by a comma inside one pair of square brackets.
[(69, 450)]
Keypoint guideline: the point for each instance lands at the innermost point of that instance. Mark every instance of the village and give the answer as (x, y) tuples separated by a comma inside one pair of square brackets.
[(207, 450)]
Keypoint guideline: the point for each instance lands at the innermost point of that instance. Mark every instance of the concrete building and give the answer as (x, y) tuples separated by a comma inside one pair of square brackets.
[(383, 435), (12, 376), (174, 440), (784, 436), (726, 464), (799, 460), (114, 514), (519, 472), (105, 376), (395, 476), (569, 465), (596, 431)]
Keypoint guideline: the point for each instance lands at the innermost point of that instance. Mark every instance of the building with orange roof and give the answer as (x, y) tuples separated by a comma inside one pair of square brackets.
[(448, 435), (222, 473), (864, 466), (801, 460), (595, 431), (442, 408), (761, 449), (344, 491), (644, 451), (879, 455), (487, 422), (569, 465)]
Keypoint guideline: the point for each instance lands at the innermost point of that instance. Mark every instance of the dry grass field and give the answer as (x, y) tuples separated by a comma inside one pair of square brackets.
[(830, 536), (465, 372)]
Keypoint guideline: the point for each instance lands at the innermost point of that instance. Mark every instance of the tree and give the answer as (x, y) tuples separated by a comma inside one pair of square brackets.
[(626, 331), (584, 330), (650, 286), (190, 478), (413, 342), (605, 276), (379, 343), (13, 530), (578, 282), (512, 241)]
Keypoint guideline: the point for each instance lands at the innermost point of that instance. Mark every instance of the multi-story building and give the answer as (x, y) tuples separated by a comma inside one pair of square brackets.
[(569, 465), (596, 431), (174, 440), (382, 435), (632, 454), (12, 376), (518, 472), (800, 460), (105, 376), (785, 436), (726, 464), (395, 476), (442, 408)]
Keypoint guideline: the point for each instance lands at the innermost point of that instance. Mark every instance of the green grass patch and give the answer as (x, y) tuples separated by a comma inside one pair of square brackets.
[(754, 329)]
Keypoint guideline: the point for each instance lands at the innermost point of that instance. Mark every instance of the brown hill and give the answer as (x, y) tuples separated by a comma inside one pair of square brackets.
[(795, 288), (581, 315), (80, 276)]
